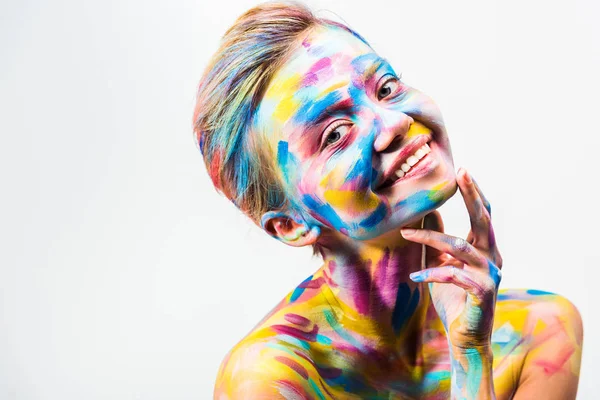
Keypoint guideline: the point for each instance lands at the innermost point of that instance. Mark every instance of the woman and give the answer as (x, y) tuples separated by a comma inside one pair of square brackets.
[(313, 135)]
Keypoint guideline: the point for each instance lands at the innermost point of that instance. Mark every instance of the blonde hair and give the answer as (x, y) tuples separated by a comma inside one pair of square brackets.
[(231, 88)]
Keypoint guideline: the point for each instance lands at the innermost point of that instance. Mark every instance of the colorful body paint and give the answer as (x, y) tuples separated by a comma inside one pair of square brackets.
[(333, 80), (360, 155), (340, 357)]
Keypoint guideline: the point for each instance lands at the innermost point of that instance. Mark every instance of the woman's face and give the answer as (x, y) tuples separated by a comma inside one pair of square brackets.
[(344, 127)]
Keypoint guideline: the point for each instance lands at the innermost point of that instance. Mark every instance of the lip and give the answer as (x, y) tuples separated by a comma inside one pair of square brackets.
[(421, 168), (408, 150)]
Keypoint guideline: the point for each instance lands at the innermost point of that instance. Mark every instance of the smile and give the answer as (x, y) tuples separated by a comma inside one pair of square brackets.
[(407, 167), (413, 160)]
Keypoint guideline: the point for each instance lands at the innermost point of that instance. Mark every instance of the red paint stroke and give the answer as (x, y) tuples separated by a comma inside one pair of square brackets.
[(297, 333), (313, 284), (312, 76), (553, 366), (293, 387), (215, 169), (296, 319), (299, 369), (325, 388)]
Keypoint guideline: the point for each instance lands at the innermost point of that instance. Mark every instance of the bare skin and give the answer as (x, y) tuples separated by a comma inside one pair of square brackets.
[(311, 346), (536, 363), (393, 312)]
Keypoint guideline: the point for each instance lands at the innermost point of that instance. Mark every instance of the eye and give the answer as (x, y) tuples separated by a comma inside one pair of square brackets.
[(335, 132), (389, 87)]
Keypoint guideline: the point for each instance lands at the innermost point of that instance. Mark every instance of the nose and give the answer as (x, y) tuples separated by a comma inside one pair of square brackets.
[(394, 124)]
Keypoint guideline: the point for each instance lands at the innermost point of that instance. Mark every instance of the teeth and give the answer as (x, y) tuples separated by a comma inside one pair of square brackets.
[(412, 160)]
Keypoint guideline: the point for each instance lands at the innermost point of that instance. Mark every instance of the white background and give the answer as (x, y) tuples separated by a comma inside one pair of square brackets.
[(124, 275)]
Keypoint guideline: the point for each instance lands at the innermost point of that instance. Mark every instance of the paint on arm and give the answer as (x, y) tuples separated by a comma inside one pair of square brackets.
[(552, 364)]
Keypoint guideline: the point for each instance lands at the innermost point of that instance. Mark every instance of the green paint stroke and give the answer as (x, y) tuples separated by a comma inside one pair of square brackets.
[(332, 321), (474, 372), (316, 389)]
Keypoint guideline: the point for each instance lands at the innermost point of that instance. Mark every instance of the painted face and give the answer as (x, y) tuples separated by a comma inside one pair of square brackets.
[(358, 150)]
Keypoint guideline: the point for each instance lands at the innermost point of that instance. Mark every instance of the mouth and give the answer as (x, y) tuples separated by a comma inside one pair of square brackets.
[(404, 169)]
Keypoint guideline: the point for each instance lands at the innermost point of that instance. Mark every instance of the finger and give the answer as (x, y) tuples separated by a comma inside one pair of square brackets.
[(456, 247), (434, 257), (478, 215), (459, 277), (486, 203), (491, 237), (470, 237)]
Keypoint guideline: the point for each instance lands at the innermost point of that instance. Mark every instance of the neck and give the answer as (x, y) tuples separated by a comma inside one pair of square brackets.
[(370, 282)]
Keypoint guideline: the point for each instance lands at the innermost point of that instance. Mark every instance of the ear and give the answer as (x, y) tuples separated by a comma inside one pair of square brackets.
[(289, 230)]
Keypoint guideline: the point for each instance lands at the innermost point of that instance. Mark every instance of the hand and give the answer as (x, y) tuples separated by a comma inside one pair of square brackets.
[(463, 275)]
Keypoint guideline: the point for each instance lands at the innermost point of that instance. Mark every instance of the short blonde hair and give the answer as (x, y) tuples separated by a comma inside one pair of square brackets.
[(230, 90)]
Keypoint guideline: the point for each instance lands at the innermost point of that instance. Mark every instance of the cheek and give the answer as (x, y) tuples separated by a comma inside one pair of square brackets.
[(348, 171), (359, 174), (346, 187)]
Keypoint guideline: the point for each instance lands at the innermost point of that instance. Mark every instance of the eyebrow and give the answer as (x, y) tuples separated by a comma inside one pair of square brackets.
[(309, 139), (318, 111), (374, 67), (315, 113), (340, 107)]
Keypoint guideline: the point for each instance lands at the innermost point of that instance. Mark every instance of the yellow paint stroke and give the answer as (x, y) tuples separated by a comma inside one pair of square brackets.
[(417, 129), (332, 88), (283, 91), (351, 201)]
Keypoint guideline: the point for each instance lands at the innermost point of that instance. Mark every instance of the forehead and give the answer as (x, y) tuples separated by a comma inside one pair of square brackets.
[(328, 59), (324, 43)]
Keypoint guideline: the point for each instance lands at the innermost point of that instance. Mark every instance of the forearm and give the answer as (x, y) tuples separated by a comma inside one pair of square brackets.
[(472, 374)]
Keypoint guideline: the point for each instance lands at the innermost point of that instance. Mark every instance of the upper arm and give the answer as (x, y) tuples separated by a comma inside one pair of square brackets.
[(551, 367), (262, 372)]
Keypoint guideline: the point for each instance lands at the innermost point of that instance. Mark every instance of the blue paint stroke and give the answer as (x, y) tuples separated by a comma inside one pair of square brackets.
[(299, 290), (406, 304), (324, 210), (376, 217)]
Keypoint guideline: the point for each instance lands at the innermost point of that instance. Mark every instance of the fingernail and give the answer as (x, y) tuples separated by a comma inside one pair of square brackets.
[(417, 276), (467, 176), (408, 231)]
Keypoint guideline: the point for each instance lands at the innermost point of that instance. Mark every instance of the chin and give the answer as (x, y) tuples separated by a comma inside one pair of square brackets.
[(409, 211), (426, 203)]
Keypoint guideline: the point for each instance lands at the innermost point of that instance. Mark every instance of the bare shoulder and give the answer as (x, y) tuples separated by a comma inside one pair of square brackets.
[(532, 310), (274, 360), (535, 316), (262, 366), (537, 337)]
